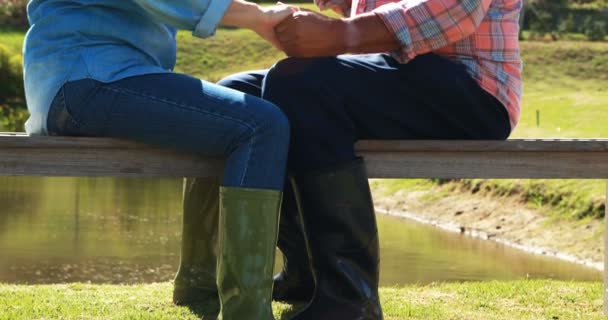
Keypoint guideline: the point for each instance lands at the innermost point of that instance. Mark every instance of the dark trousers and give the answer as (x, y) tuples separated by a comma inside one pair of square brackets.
[(333, 102)]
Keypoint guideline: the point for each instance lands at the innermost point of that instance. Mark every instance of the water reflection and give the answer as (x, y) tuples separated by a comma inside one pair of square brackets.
[(86, 229), (107, 230), (416, 253)]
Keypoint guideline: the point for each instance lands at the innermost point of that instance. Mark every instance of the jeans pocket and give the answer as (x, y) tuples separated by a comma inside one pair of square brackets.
[(59, 120), (74, 112)]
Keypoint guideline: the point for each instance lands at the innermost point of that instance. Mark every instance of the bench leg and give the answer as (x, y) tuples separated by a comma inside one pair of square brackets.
[(606, 252)]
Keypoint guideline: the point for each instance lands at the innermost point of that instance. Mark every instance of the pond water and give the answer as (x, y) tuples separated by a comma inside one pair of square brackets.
[(107, 230)]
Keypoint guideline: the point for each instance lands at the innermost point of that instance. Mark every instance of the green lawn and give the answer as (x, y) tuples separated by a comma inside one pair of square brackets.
[(11, 39), (230, 51), (567, 82), (473, 300)]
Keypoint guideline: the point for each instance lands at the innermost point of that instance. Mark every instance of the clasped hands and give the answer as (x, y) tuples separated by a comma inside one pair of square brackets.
[(304, 33)]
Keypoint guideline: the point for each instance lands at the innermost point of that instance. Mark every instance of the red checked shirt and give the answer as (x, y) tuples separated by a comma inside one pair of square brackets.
[(481, 34)]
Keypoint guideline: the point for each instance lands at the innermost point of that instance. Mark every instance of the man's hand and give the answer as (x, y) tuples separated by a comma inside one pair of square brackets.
[(309, 34)]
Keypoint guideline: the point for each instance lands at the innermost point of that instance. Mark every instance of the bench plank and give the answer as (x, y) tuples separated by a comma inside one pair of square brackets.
[(508, 165), (22, 155), (516, 145), (19, 140), (106, 162)]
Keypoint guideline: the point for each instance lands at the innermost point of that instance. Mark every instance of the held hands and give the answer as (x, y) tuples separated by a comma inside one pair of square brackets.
[(298, 33), (309, 34), (303, 33), (271, 16)]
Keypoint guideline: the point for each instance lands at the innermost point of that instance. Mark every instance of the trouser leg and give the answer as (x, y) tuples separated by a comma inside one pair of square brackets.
[(294, 282), (333, 102), (183, 113)]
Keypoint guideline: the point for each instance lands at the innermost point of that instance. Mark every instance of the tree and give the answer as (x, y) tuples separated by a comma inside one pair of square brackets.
[(544, 16)]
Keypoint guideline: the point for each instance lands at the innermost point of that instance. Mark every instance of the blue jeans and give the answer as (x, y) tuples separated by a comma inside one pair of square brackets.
[(332, 102), (183, 113)]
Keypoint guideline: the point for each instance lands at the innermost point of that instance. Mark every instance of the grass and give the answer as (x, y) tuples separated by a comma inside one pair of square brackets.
[(525, 299), (230, 51), (567, 82), (12, 39)]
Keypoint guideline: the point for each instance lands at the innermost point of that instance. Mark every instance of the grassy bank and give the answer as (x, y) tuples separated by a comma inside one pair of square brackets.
[(567, 84), (487, 300)]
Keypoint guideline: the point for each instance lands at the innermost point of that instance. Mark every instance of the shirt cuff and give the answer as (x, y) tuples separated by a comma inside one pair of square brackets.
[(392, 16), (211, 18)]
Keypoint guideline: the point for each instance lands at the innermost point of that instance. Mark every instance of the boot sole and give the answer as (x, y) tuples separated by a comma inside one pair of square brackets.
[(191, 296)]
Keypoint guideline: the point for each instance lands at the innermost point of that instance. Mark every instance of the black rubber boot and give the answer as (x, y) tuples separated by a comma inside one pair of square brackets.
[(340, 226), (195, 282), (294, 283)]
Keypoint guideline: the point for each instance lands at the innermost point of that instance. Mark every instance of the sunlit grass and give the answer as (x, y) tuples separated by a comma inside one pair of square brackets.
[(12, 39), (473, 300)]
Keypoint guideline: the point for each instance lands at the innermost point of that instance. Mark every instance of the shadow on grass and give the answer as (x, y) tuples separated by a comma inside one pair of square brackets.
[(210, 310), (205, 310)]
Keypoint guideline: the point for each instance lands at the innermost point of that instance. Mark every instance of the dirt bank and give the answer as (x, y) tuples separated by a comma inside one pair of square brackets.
[(500, 219)]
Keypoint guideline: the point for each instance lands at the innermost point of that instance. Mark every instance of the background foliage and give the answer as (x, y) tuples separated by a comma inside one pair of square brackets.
[(12, 13), (12, 105)]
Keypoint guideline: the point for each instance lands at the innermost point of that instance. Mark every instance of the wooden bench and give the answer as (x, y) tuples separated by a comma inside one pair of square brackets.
[(21, 155)]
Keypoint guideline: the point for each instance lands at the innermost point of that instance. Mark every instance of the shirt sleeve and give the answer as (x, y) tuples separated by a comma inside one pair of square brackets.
[(422, 26), (199, 16)]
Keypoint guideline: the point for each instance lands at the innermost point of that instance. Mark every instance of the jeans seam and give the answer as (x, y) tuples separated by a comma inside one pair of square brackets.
[(63, 106), (193, 109), (249, 152), (70, 118)]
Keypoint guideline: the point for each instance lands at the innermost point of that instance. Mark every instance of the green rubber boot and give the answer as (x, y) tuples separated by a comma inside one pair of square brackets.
[(247, 239), (195, 282)]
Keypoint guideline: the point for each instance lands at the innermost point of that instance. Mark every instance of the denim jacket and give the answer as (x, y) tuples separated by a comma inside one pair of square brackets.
[(105, 40)]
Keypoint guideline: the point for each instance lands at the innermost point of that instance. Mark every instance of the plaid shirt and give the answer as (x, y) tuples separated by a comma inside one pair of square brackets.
[(481, 34)]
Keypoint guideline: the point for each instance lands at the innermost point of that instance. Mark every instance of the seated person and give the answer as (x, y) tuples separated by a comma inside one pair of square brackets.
[(104, 69)]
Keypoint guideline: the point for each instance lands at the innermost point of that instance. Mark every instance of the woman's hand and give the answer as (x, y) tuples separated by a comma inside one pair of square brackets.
[(262, 20), (271, 16)]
